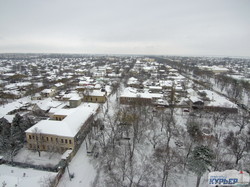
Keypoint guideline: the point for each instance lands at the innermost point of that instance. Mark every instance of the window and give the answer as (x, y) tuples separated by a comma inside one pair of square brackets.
[(33, 137), (47, 138), (56, 140), (51, 139), (29, 136), (95, 99), (61, 140), (66, 141), (70, 142)]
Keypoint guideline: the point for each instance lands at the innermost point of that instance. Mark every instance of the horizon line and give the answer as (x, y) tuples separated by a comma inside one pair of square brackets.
[(123, 54)]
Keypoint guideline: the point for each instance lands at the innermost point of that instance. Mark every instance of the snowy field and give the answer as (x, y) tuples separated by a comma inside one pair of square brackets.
[(24, 177)]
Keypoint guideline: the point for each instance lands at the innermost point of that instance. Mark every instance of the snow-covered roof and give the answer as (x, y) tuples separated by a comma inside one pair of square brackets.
[(9, 118), (59, 84), (66, 154), (48, 91), (98, 86), (19, 84), (9, 74), (6, 108), (132, 80), (47, 103), (214, 68), (178, 88), (96, 93), (191, 92), (70, 125), (75, 98), (131, 92), (167, 83), (70, 95), (155, 87), (194, 99)]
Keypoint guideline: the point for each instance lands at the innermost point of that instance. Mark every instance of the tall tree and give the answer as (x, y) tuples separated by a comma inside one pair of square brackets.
[(4, 133), (200, 160)]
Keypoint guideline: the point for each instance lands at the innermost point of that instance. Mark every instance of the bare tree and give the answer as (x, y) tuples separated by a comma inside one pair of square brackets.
[(167, 160), (38, 140), (237, 144)]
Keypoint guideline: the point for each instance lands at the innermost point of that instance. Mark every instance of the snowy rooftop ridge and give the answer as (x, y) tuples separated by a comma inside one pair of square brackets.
[(132, 92), (70, 125)]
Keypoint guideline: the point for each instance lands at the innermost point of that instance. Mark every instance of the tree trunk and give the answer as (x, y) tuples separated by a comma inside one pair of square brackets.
[(189, 151), (198, 181), (165, 176), (237, 160)]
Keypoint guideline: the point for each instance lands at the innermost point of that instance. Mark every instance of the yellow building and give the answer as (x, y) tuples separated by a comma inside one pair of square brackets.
[(95, 96), (66, 129)]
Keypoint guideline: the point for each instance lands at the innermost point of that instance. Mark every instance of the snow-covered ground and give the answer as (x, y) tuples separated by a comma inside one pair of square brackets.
[(84, 172), (32, 157), (24, 177)]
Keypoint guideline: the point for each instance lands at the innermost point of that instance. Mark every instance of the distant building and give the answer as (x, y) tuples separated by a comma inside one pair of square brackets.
[(75, 101), (215, 69), (48, 92), (131, 96), (95, 96), (212, 102), (133, 82), (155, 89)]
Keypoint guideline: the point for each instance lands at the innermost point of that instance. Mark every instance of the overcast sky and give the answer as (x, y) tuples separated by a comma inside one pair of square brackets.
[(168, 27)]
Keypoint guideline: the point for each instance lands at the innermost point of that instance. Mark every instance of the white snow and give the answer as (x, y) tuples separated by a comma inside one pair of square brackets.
[(84, 172), (217, 100), (47, 103), (24, 177), (15, 85), (32, 157)]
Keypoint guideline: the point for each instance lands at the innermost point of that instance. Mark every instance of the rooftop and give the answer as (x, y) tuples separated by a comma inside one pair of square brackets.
[(70, 125)]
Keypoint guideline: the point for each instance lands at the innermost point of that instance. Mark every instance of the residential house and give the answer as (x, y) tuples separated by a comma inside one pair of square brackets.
[(131, 96), (75, 101), (95, 96), (48, 92)]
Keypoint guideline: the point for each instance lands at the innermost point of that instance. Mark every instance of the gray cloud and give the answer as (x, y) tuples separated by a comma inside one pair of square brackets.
[(134, 26)]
